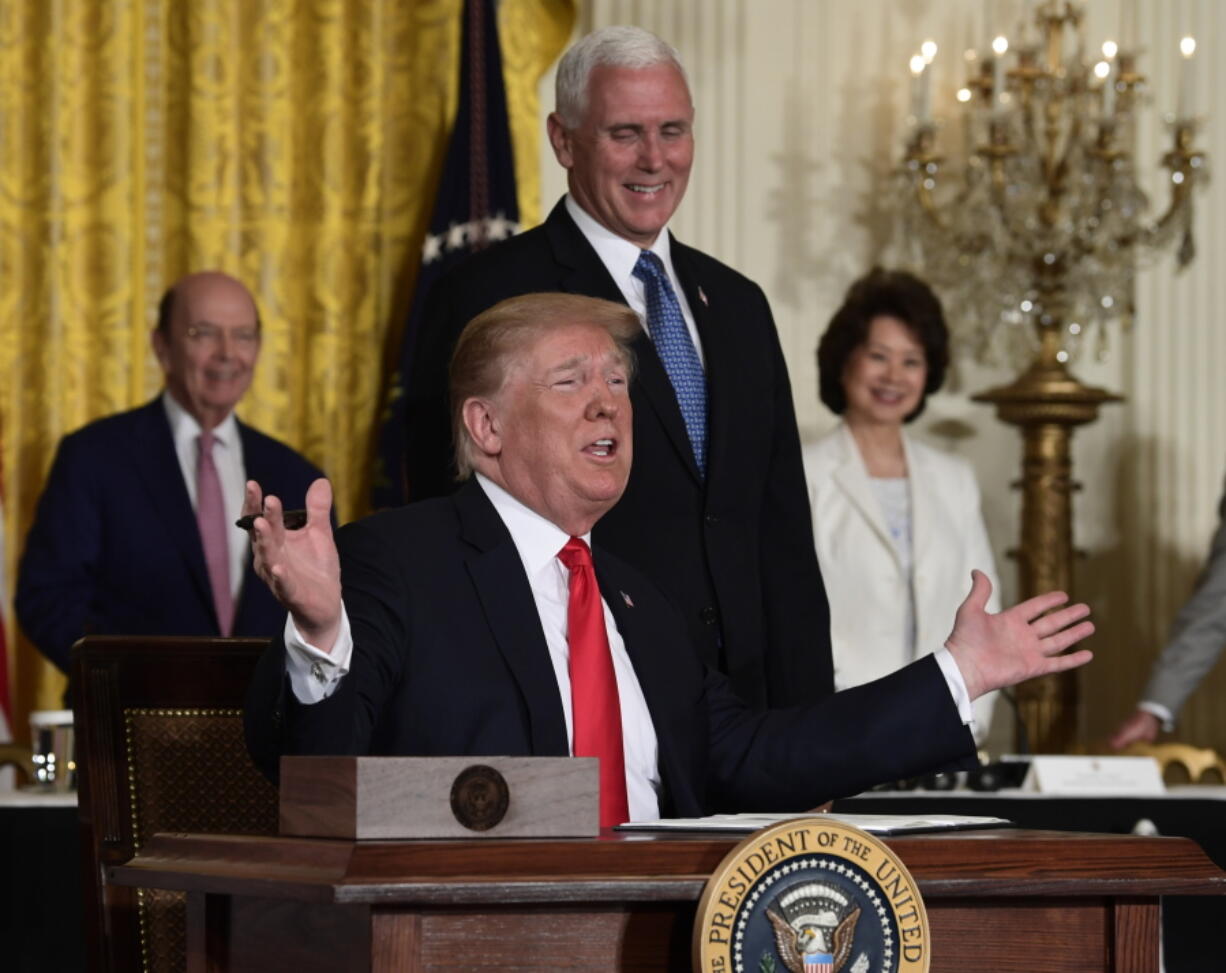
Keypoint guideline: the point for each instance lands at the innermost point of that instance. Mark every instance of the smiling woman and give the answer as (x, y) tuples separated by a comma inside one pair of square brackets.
[(900, 520)]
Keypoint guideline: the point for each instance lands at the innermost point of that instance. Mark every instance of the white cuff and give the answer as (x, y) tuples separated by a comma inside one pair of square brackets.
[(957, 686), (1160, 711), (313, 673)]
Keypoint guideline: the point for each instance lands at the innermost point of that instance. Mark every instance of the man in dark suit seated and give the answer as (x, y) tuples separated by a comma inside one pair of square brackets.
[(475, 624), (716, 512), (134, 532)]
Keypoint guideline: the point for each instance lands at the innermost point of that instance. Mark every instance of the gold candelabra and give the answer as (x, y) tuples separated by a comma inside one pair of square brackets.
[(1035, 247)]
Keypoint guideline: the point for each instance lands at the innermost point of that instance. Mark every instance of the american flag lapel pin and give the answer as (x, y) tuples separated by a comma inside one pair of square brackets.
[(702, 296), (628, 600)]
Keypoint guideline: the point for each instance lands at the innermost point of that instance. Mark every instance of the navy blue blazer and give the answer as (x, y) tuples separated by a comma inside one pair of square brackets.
[(114, 548), (450, 659), (733, 552)]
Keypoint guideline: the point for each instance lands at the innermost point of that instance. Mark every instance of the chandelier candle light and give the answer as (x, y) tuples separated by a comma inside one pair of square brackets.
[(1035, 245)]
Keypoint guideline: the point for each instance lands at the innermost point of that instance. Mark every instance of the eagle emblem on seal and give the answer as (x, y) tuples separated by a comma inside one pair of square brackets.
[(814, 926)]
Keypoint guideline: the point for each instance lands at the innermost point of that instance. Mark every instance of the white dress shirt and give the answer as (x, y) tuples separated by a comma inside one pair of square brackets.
[(228, 458), (314, 675), (1165, 716), (894, 496), (619, 257)]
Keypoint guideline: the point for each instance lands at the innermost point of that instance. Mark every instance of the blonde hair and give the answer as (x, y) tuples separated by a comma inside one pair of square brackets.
[(490, 343)]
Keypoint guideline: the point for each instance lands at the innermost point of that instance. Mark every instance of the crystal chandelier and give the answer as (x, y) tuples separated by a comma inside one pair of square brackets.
[(1034, 247), (1036, 241)]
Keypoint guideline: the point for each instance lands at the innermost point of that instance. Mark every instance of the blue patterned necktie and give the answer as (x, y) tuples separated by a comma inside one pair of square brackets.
[(666, 324)]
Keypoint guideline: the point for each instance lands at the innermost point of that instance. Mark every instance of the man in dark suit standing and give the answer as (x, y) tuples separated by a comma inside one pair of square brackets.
[(482, 623), (134, 532), (716, 512)]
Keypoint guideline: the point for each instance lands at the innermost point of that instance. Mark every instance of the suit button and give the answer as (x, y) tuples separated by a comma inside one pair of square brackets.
[(711, 520), (709, 615)]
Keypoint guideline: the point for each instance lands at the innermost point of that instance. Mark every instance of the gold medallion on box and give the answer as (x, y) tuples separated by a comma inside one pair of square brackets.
[(811, 895)]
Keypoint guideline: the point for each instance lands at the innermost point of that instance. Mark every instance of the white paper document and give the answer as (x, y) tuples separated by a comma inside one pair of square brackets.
[(872, 823)]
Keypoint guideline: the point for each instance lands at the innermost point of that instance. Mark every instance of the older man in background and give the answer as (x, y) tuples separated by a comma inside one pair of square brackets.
[(134, 532), (716, 511)]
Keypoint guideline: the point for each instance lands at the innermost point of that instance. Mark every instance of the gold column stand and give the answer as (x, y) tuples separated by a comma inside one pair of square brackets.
[(1047, 207), (1046, 402)]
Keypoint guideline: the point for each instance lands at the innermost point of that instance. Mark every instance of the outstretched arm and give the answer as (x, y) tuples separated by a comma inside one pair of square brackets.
[(301, 567), (1024, 642)]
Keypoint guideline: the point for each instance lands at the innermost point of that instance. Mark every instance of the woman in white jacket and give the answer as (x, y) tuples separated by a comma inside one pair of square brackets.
[(897, 524)]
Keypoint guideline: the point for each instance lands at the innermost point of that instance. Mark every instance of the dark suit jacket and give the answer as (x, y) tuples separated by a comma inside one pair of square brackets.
[(735, 553), (114, 548), (450, 659)]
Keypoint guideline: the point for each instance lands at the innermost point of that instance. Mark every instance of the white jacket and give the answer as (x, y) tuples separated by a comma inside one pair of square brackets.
[(864, 579)]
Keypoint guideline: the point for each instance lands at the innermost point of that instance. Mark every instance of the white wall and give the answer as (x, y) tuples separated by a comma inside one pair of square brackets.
[(800, 118)]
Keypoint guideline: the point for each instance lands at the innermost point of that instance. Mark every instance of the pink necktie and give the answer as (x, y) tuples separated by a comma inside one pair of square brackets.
[(595, 707), (211, 519)]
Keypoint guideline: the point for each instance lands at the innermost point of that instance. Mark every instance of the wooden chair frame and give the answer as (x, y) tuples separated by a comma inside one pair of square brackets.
[(158, 735)]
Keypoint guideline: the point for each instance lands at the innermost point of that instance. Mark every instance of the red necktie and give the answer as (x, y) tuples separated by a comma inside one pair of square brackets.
[(211, 519), (595, 709)]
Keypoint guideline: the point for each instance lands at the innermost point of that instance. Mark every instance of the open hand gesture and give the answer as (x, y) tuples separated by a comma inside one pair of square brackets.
[(300, 566), (1023, 642)]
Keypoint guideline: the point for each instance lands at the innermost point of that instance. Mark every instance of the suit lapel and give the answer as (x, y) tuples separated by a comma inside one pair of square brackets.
[(254, 468), (657, 390), (505, 595), (853, 479), (582, 271), (154, 455), (654, 676), (719, 359), (923, 512)]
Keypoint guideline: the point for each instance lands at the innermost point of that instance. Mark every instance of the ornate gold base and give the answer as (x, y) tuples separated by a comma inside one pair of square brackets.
[(1047, 402)]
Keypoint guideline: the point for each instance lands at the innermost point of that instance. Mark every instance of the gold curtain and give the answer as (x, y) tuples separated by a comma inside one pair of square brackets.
[(292, 143)]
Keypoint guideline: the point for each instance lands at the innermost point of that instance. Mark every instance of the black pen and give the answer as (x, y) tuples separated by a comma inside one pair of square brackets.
[(293, 519)]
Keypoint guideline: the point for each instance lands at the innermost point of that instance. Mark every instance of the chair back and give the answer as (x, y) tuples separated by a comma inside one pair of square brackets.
[(159, 737)]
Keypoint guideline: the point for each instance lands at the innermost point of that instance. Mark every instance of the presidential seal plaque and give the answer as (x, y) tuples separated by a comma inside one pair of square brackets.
[(813, 895), (479, 797)]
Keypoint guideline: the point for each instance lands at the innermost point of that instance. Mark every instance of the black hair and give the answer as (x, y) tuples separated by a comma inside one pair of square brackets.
[(891, 293)]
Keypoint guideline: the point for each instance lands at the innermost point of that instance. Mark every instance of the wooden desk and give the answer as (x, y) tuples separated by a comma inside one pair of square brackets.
[(997, 900), (1191, 927)]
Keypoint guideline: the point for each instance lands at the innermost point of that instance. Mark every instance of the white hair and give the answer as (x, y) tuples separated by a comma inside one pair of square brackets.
[(619, 47)]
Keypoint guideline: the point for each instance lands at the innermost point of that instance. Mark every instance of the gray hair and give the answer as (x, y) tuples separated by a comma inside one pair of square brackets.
[(619, 47), (492, 341)]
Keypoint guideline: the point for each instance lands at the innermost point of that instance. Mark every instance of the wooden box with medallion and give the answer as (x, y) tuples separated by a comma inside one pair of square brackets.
[(439, 797)]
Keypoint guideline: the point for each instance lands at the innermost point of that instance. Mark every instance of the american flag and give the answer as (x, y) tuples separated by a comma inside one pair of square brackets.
[(476, 205), (819, 963)]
